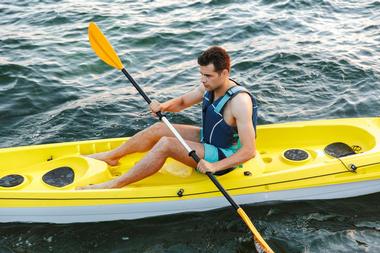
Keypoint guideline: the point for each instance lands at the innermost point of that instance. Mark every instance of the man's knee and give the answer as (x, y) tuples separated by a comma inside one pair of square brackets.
[(155, 131), (165, 144), (156, 128)]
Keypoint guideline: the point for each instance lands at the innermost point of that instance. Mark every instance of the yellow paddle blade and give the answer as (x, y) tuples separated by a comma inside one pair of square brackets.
[(260, 244), (102, 47)]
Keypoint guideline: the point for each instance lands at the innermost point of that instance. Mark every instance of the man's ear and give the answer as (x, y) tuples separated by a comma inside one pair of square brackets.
[(225, 72)]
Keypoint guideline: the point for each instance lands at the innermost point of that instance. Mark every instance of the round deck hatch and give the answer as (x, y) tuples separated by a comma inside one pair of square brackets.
[(11, 180), (296, 155), (59, 177)]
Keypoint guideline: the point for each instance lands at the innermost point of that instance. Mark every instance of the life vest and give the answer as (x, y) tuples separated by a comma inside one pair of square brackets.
[(215, 130)]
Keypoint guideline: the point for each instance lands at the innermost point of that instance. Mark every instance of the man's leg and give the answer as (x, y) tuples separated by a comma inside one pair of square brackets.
[(145, 139), (153, 161)]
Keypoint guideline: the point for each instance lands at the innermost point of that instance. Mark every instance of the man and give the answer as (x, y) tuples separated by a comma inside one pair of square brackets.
[(226, 139)]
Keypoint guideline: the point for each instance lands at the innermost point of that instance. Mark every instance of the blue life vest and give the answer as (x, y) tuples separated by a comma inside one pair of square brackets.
[(215, 130)]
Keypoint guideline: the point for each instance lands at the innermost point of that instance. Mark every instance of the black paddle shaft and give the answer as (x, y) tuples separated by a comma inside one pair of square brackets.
[(138, 88), (193, 154)]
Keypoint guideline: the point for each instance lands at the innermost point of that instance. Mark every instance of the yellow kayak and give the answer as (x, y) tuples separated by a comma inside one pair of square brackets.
[(320, 159)]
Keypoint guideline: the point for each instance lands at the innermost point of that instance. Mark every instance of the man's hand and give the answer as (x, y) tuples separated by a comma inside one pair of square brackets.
[(155, 107), (204, 166)]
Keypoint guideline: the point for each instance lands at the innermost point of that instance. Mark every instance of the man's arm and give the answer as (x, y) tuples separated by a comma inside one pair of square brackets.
[(178, 104), (241, 108)]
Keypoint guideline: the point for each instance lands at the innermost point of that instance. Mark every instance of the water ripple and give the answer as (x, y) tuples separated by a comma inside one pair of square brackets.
[(302, 59)]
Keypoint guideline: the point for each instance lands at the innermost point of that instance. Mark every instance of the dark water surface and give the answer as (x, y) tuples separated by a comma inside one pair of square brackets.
[(302, 59)]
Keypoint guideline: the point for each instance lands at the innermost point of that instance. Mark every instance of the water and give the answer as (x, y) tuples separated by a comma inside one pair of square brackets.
[(302, 59)]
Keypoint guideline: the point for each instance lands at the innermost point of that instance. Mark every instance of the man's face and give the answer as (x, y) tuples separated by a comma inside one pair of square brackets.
[(210, 78)]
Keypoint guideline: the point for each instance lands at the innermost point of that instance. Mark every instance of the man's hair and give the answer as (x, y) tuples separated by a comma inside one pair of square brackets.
[(217, 56)]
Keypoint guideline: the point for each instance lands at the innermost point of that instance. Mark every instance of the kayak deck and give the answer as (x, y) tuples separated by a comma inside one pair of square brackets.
[(269, 171)]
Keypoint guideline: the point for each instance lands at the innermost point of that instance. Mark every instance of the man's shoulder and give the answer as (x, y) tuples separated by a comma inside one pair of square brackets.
[(241, 97), (241, 103)]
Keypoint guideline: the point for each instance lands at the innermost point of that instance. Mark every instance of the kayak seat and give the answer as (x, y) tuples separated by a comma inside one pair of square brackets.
[(339, 149)]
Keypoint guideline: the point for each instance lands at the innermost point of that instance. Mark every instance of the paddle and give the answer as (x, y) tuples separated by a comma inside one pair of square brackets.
[(105, 51)]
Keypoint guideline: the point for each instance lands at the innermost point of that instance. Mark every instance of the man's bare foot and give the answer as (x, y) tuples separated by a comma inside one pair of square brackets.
[(104, 157)]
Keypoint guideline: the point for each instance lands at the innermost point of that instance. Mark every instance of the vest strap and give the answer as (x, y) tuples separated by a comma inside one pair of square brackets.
[(229, 94), (236, 89), (221, 103)]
